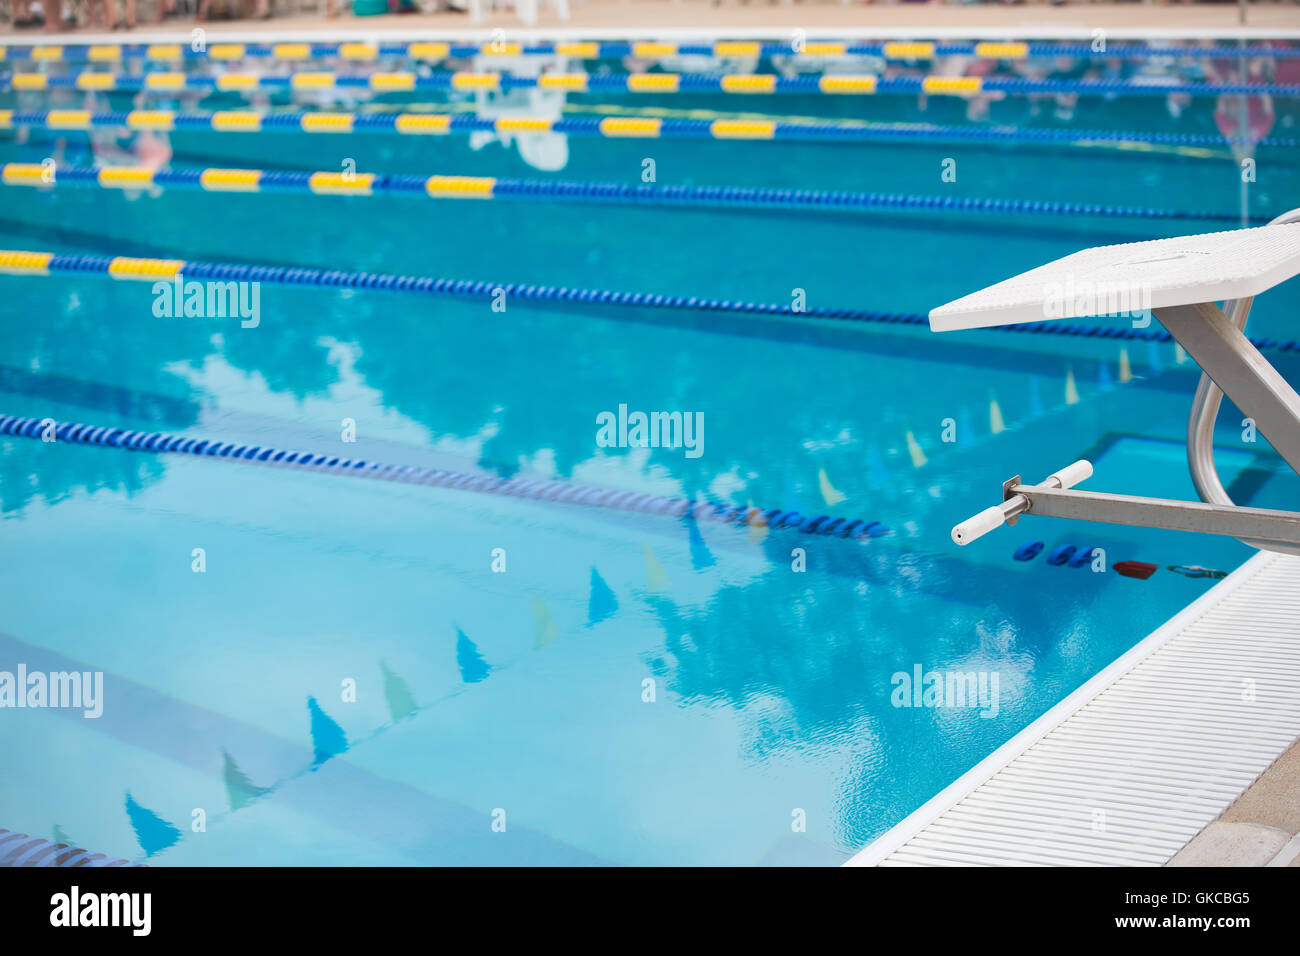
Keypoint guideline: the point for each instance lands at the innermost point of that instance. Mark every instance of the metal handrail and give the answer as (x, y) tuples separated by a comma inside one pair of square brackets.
[(1205, 412)]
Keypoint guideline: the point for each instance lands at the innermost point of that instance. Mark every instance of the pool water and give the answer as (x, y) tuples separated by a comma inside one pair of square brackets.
[(372, 673)]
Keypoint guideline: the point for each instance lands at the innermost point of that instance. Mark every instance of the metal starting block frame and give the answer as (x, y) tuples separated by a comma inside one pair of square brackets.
[(1180, 280)]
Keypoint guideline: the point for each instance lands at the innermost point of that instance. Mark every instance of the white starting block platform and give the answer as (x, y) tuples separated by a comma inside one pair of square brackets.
[(1180, 280), (1213, 267)]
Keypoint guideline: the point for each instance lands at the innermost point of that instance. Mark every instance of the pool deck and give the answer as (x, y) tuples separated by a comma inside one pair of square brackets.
[(1183, 752), (627, 18), (1261, 828)]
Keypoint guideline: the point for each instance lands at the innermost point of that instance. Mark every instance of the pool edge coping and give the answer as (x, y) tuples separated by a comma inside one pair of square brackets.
[(911, 825)]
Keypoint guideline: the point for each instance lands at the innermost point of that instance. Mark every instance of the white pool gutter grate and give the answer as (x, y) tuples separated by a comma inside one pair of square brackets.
[(1131, 766)]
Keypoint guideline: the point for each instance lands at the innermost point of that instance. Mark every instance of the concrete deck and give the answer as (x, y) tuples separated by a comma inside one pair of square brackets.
[(1262, 828)]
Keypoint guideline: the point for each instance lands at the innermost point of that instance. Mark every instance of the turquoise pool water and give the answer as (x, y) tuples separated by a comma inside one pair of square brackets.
[(349, 680)]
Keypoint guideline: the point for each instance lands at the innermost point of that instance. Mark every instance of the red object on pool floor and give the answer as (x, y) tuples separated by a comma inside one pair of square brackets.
[(1135, 569)]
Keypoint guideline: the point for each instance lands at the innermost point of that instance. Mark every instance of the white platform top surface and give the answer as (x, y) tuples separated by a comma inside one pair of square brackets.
[(1134, 276)]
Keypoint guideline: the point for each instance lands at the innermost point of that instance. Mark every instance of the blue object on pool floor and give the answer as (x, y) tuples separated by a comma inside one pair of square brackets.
[(327, 737), (239, 788), (701, 556), (603, 602), (473, 668), (1082, 557), (401, 703), (1061, 555), (1027, 552), (153, 832)]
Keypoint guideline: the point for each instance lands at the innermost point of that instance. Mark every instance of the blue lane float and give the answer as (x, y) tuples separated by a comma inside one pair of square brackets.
[(290, 181), (446, 81), (668, 127), (815, 49), (20, 849), (33, 264), (539, 490)]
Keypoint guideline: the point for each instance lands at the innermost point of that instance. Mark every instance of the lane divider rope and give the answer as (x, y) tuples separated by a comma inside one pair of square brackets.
[(562, 492), (487, 187), (23, 263), (613, 127), (425, 51), (740, 83), (19, 849)]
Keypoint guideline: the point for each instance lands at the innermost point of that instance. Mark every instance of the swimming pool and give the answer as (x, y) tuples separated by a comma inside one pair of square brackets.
[(354, 672)]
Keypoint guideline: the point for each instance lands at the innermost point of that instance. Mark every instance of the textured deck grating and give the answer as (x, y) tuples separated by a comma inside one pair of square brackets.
[(1130, 773)]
